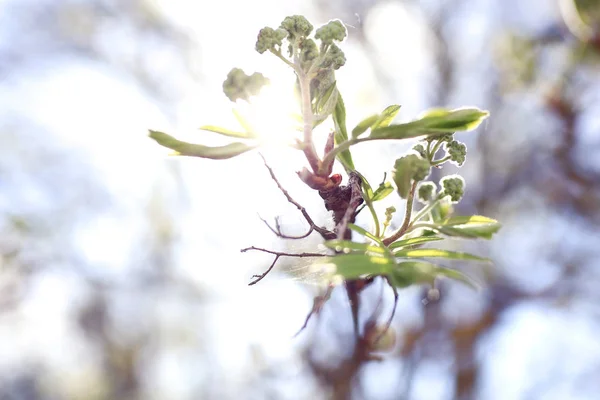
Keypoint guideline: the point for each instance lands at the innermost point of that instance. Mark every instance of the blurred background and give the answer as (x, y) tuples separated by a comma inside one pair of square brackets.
[(120, 270)]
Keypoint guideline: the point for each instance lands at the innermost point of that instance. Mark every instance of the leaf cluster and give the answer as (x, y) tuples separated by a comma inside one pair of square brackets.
[(400, 256)]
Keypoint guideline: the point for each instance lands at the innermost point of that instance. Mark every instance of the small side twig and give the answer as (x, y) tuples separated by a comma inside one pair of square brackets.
[(258, 278), (391, 318), (326, 234), (406, 224), (318, 303), (277, 230)]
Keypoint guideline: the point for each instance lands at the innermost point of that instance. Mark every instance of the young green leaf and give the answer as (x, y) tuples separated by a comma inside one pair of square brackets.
[(364, 125), (469, 232), (382, 191), (325, 104), (470, 220), (353, 266), (475, 226), (342, 245), (341, 135), (409, 272), (227, 132), (438, 253), (198, 150), (244, 123), (435, 122), (365, 233), (414, 241), (386, 117)]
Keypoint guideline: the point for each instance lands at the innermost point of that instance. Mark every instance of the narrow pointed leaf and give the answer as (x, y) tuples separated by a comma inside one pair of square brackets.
[(325, 104), (470, 220), (433, 123), (470, 232), (227, 132), (352, 266), (341, 135), (414, 241), (365, 233), (411, 272), (364, 125), (244, 123), (386, 117), (438, 253), (342, 245), (382, 191), (475, 226), (198, 150)]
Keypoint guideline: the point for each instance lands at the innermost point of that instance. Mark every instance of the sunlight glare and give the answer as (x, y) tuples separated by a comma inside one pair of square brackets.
[(272, 113)]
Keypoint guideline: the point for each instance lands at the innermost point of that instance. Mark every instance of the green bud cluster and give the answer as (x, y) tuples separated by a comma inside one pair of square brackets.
[(238, 85), (426, 191), (453, 186), (419, 148), (457, 151), (296, 30), (270, 39), (333, 30)]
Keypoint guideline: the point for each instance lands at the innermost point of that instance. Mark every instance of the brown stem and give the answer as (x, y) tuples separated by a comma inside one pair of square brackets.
[(307, 116), (406, 224), (326, 234), (277, 230), (258, 278)]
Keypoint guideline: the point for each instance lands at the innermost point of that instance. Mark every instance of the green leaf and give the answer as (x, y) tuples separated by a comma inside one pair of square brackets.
[(403, 174), (412, 272), (244, 123), (433, 122), (326, 102), (469, 220), (364, 125), (341, 135), (352, 266), (227, 132), (386, 117), (365, 233), (438, 253), (198, 150), (414, 241), (342, 245), (382, 191), (475, 226)]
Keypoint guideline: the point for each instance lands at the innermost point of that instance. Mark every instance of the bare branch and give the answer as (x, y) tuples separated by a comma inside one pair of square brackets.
[(318, 303), (326, 234), (277, 230), (258, 278)]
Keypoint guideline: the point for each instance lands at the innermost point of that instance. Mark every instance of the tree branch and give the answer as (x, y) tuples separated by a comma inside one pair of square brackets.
[(277, 230), (326, 234), (258, 278)]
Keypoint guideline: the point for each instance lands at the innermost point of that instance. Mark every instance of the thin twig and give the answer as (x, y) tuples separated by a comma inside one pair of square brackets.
[(318, 303), (258, 278), (405, 225), (277, 230), (326, 234), (389, 322)]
